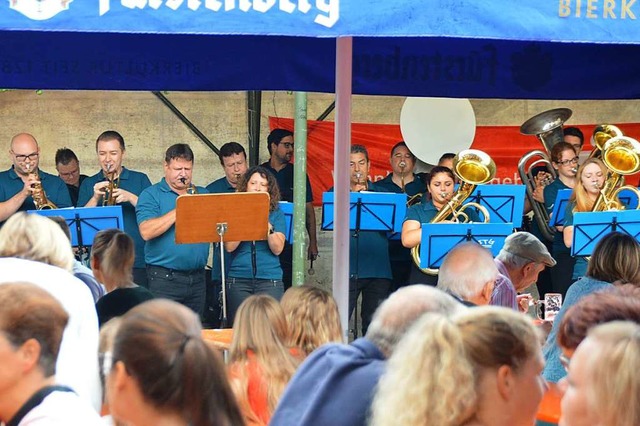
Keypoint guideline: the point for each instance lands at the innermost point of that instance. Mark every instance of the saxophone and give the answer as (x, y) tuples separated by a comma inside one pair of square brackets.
[(191, 190), (39, 196)]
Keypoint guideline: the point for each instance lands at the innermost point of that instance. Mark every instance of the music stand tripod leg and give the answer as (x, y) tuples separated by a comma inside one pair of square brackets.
[(221, 228)]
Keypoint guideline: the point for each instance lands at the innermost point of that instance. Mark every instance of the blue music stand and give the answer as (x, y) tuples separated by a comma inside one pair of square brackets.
[(590, 227), (560, 208), (439, 238), (85, 222), (369, 211), (628, 198), (505, 203), (287, 209)]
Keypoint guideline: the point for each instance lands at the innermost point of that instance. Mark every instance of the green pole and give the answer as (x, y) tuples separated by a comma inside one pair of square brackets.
[(300, 189)]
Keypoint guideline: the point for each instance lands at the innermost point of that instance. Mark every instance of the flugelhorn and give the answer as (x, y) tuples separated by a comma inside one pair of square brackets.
[(38, 194), (547, 127), (472, 167)]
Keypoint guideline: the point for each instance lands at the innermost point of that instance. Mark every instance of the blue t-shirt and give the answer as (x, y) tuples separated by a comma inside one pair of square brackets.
[(267, 263), (284, 177), (54, 187), (550, 195), (134, 182), (158, 200), (416, 186), (220, 186), (426, 211)]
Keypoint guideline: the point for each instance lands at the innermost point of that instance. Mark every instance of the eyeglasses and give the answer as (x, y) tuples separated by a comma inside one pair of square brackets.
[(22, 158), (574, 160), (564, 360), (287, 145)]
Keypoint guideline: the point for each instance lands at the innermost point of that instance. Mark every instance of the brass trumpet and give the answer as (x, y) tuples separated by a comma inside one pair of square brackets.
[(109, 198), (39, 196), (472, 167)]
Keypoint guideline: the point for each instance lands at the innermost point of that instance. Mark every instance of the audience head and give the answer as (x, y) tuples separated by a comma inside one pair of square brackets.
[(402, 309), (525, 257), (160, 364), (603, 386), (68, 166), (35, 237), (32, 322), (112, 257), (616, 258), (312, 316), (482, 365), (259, 179), (469, 272)]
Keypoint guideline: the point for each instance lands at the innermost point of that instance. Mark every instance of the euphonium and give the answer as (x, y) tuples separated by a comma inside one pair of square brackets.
[(547, 126), (109, 198), (601, 135), (39, 196), (472, 167), (621, 155)]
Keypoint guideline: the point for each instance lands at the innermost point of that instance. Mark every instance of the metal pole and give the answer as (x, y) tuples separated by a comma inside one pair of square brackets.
[(299, 189), (254, 107), (344, 59)]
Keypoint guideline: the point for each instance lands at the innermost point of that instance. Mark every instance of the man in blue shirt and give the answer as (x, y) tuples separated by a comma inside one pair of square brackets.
[(68, 167), (21, 182), (233, 159), (280, 146), (127, 186), (175, 271)]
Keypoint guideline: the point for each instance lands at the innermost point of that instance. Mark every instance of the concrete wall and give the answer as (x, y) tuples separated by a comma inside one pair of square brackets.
[(75, 118)]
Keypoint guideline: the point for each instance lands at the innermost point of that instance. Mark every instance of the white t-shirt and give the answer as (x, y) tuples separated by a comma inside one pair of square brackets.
[(77, 365), (62, 409)]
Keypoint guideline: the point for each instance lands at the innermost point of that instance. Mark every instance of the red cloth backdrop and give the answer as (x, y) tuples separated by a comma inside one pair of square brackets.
[(504, 144)]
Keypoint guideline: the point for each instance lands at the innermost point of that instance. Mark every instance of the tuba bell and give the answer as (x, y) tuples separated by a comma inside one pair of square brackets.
[(621, 155), (547, 127), (472, 167)]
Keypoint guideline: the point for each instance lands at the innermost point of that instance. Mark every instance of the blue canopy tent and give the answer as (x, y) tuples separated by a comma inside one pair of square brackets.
[(452, 48)]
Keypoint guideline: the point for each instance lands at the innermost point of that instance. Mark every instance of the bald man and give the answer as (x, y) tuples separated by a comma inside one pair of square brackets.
[(16, 184)]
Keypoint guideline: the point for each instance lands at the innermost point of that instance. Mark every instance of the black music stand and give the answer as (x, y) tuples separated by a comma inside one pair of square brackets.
[(438, 239), (85, 222), (504, 203), (216, 218), (368, 211), (590, 227)]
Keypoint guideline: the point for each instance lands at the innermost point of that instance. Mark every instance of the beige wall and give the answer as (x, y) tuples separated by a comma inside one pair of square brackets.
[(75, 118)]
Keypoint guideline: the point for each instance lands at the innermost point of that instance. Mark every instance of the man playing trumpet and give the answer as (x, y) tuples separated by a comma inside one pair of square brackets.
[(24, 178), (121, 186)]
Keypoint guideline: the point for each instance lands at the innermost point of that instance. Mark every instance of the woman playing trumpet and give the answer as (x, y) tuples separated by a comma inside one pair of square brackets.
[(440, 184), (591, 177)]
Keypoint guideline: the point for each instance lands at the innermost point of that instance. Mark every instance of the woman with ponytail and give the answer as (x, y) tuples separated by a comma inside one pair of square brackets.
[(112, 258), (161, 371)]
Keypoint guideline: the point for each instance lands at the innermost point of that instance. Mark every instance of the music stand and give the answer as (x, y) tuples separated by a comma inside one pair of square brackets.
[(85, 222), (560, 208), (368, 211), (439, 238), (504, 203), (590, 227), (629, 199), (213, 218), (287, 209)]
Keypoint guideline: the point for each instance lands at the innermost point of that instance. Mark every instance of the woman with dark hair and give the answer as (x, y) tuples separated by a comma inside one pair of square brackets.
[(254, 265), (260, 362), (615, 260), (440, 185), (162, 372), (112, 257)]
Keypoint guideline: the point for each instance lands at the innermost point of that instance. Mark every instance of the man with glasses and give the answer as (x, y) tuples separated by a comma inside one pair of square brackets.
[(280, 146), (17, 183), (68, 168), (574, 137)]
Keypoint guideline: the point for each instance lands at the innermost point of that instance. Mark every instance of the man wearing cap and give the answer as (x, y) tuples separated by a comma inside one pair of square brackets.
[(520, 261)]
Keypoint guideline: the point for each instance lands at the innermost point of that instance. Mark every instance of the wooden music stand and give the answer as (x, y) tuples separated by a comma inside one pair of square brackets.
[(213, 218)]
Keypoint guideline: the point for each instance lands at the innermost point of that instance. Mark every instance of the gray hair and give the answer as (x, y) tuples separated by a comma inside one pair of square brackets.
[(466, 269), (513, 260), (402, 309)]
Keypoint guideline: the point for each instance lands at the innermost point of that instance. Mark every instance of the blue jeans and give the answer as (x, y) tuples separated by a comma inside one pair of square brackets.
[(186, 287), (238, 289)]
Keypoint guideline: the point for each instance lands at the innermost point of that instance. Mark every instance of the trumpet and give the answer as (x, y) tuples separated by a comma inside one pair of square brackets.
[(109, 198), (358, 177), (472, 167), (38, 194), (402, 165)]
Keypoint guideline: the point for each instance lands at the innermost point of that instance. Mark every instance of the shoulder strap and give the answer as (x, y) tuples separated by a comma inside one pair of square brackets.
[(35, 400)]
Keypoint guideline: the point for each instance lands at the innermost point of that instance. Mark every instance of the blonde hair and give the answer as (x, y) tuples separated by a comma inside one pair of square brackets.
[(434, 375), (260, 331), (312, 316), (115, 253), (35, 237), (614, 373), (579, 196)]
